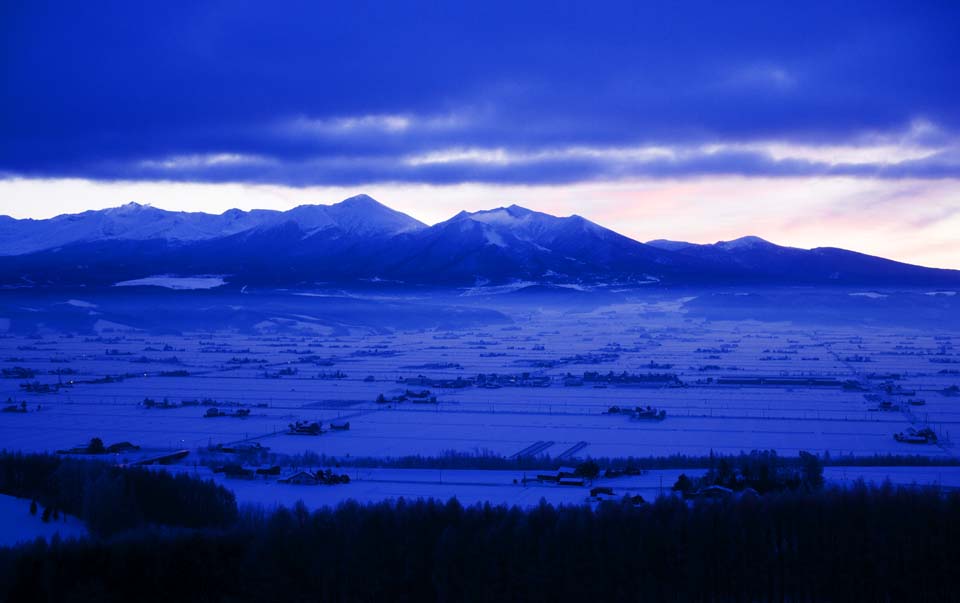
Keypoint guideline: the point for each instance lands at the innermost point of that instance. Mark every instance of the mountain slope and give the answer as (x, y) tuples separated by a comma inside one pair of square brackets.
[(760, 261), (516, 243), (135, 222), (360, 239)]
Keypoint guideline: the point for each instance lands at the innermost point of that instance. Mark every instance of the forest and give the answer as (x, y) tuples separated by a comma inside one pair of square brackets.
[(806, 543), (110, 499)]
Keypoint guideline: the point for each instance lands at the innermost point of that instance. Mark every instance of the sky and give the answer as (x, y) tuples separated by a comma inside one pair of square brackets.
[(809, 124)]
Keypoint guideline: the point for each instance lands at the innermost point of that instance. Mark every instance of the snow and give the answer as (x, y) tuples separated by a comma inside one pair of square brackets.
[(701, 417), (494, 238), (521, 223), (467, 486), (947, 477), (129, 222), (496, 289), (357, 215), (175, 282), (474, 486), (503, 216), (18, 525), (80, 303), (136, 222)]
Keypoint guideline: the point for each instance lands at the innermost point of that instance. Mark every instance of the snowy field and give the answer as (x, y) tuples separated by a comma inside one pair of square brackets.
[(152, 387), (508, 488), (20, 526)]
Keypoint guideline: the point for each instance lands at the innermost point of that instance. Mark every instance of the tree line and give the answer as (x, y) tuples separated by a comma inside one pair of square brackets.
[(862, 543), (761, 471), (160, 537), (454, 459), (112, 499)]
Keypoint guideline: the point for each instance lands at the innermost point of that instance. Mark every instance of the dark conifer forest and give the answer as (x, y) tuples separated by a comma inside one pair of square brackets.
[(187, 541)]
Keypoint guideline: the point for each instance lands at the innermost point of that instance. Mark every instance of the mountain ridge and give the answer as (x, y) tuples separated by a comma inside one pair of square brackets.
[(144, 222), (360, 239)]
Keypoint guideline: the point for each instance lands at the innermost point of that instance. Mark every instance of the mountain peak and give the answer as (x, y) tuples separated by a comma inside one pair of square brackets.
[(361, 200), (356, 238), (518, 211), (502, 216), (364, 214), (127, 208), (744, 243)]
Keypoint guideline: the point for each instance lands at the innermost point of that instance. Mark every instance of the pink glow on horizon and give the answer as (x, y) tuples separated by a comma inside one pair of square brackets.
[(915, 221)]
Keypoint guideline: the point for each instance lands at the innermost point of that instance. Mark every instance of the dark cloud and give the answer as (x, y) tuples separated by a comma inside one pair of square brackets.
[(343, 93)]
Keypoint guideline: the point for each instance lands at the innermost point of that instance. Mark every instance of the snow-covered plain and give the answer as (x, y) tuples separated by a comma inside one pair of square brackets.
[(20, 526), (321, 374), (509, 488)]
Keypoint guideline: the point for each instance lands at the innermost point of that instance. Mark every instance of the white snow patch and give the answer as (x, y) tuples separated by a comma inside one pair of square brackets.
[(494, 238), (496, 216), (79, 303), (869, 294), (496, 289), (108, 326), (176, 282)]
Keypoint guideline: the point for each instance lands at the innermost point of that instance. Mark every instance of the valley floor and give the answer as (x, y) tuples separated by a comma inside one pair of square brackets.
[(516, 379)]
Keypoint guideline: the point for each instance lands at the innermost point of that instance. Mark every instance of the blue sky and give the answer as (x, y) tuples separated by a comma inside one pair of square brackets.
[(627, 111)]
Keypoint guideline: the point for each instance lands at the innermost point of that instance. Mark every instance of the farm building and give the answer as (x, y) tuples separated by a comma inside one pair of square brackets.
[(301, 478)]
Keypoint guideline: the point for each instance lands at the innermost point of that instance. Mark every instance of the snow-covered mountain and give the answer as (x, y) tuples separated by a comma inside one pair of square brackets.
[(360, 239), (134, 222), (517, 243)]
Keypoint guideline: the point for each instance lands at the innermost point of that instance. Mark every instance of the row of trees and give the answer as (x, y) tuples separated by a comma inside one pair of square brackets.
[(490, 460), (856, 544), (761, 470), (111, 499)]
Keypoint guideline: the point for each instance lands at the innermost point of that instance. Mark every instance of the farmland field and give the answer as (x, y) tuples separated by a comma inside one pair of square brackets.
[(492, 375)]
